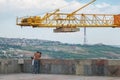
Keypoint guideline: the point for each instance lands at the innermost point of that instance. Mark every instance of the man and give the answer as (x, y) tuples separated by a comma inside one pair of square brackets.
[(37, 56)]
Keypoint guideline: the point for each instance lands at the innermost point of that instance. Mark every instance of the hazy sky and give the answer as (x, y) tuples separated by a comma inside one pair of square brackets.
[(10, 9)]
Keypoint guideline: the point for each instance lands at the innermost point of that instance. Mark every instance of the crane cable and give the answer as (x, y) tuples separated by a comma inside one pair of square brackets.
[(85, 36), (85, 31)]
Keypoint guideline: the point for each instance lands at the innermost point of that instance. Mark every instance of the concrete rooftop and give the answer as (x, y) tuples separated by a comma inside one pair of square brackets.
[(52, 77)]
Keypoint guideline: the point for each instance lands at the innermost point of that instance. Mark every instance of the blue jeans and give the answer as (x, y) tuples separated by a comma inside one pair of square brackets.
[(36, 66)]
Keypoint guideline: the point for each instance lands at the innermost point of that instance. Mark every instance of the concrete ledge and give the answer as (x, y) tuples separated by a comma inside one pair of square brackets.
[(96, 67)]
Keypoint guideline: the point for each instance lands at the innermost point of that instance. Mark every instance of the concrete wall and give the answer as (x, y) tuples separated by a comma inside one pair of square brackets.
[(55, 66), (9, 66)]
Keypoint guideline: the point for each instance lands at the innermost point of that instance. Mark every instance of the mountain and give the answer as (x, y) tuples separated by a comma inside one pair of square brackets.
[(15, 48)]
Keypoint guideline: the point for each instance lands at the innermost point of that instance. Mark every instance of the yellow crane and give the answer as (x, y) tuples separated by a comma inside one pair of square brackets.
[(70, 22)]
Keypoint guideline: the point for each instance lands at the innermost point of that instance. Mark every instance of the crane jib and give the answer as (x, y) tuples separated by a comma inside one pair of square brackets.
[(70, 22)]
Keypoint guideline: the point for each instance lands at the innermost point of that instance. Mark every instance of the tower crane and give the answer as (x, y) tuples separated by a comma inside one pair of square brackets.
[(70, 22)]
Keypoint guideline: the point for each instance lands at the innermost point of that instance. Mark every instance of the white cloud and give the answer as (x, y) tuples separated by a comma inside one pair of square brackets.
[(102, 5), (32, 4), (40, 6), (107, 8)]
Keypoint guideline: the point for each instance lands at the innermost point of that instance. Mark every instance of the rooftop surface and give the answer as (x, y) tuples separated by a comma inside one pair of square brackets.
[(52, 77)]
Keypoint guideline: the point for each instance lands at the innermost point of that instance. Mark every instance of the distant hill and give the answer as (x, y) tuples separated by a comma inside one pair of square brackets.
[(15, 48), (116, 45)]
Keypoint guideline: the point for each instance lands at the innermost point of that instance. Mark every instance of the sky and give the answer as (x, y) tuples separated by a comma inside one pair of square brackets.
[(11, 9)]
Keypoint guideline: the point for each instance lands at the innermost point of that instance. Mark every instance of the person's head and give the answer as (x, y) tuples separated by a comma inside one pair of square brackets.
[(39, 52), (31, 57)]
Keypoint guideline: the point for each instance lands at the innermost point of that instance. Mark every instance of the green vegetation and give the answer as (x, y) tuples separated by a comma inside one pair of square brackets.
[(15, 48)]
